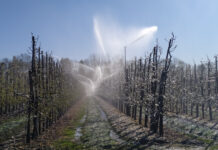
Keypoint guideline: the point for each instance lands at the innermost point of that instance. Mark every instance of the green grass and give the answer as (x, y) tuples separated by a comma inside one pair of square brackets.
[(214, 147), (206, 141), (66, 141), (67, 145), (11, 127)]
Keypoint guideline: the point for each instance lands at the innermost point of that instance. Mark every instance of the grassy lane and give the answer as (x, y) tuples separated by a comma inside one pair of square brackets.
[(89, 129), (12, 131), (67, 134), (96, 125), (97, 132)]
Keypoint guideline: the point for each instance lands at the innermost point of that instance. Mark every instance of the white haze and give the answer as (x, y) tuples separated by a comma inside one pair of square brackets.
[(111, 39), (90, 77)]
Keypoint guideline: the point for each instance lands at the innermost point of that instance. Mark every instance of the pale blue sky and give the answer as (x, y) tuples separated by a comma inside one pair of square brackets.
[(66, 27)]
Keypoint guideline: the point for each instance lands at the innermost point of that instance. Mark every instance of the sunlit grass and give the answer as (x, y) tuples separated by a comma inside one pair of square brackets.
[(66, 141)]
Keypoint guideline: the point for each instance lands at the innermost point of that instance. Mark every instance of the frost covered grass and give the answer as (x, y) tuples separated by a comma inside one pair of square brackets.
[(186, 126), (11, 127), (66, 141)]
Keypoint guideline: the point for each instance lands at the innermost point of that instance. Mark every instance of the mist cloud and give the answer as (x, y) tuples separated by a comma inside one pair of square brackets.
[(112, 37)]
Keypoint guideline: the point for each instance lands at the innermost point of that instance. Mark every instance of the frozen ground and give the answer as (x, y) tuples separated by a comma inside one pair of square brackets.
[(95, 124)]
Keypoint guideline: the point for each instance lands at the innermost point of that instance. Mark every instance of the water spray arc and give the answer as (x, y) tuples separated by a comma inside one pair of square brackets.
[(98, 36), (92, 77), (140, 36), (143, 33), (111, 38)]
